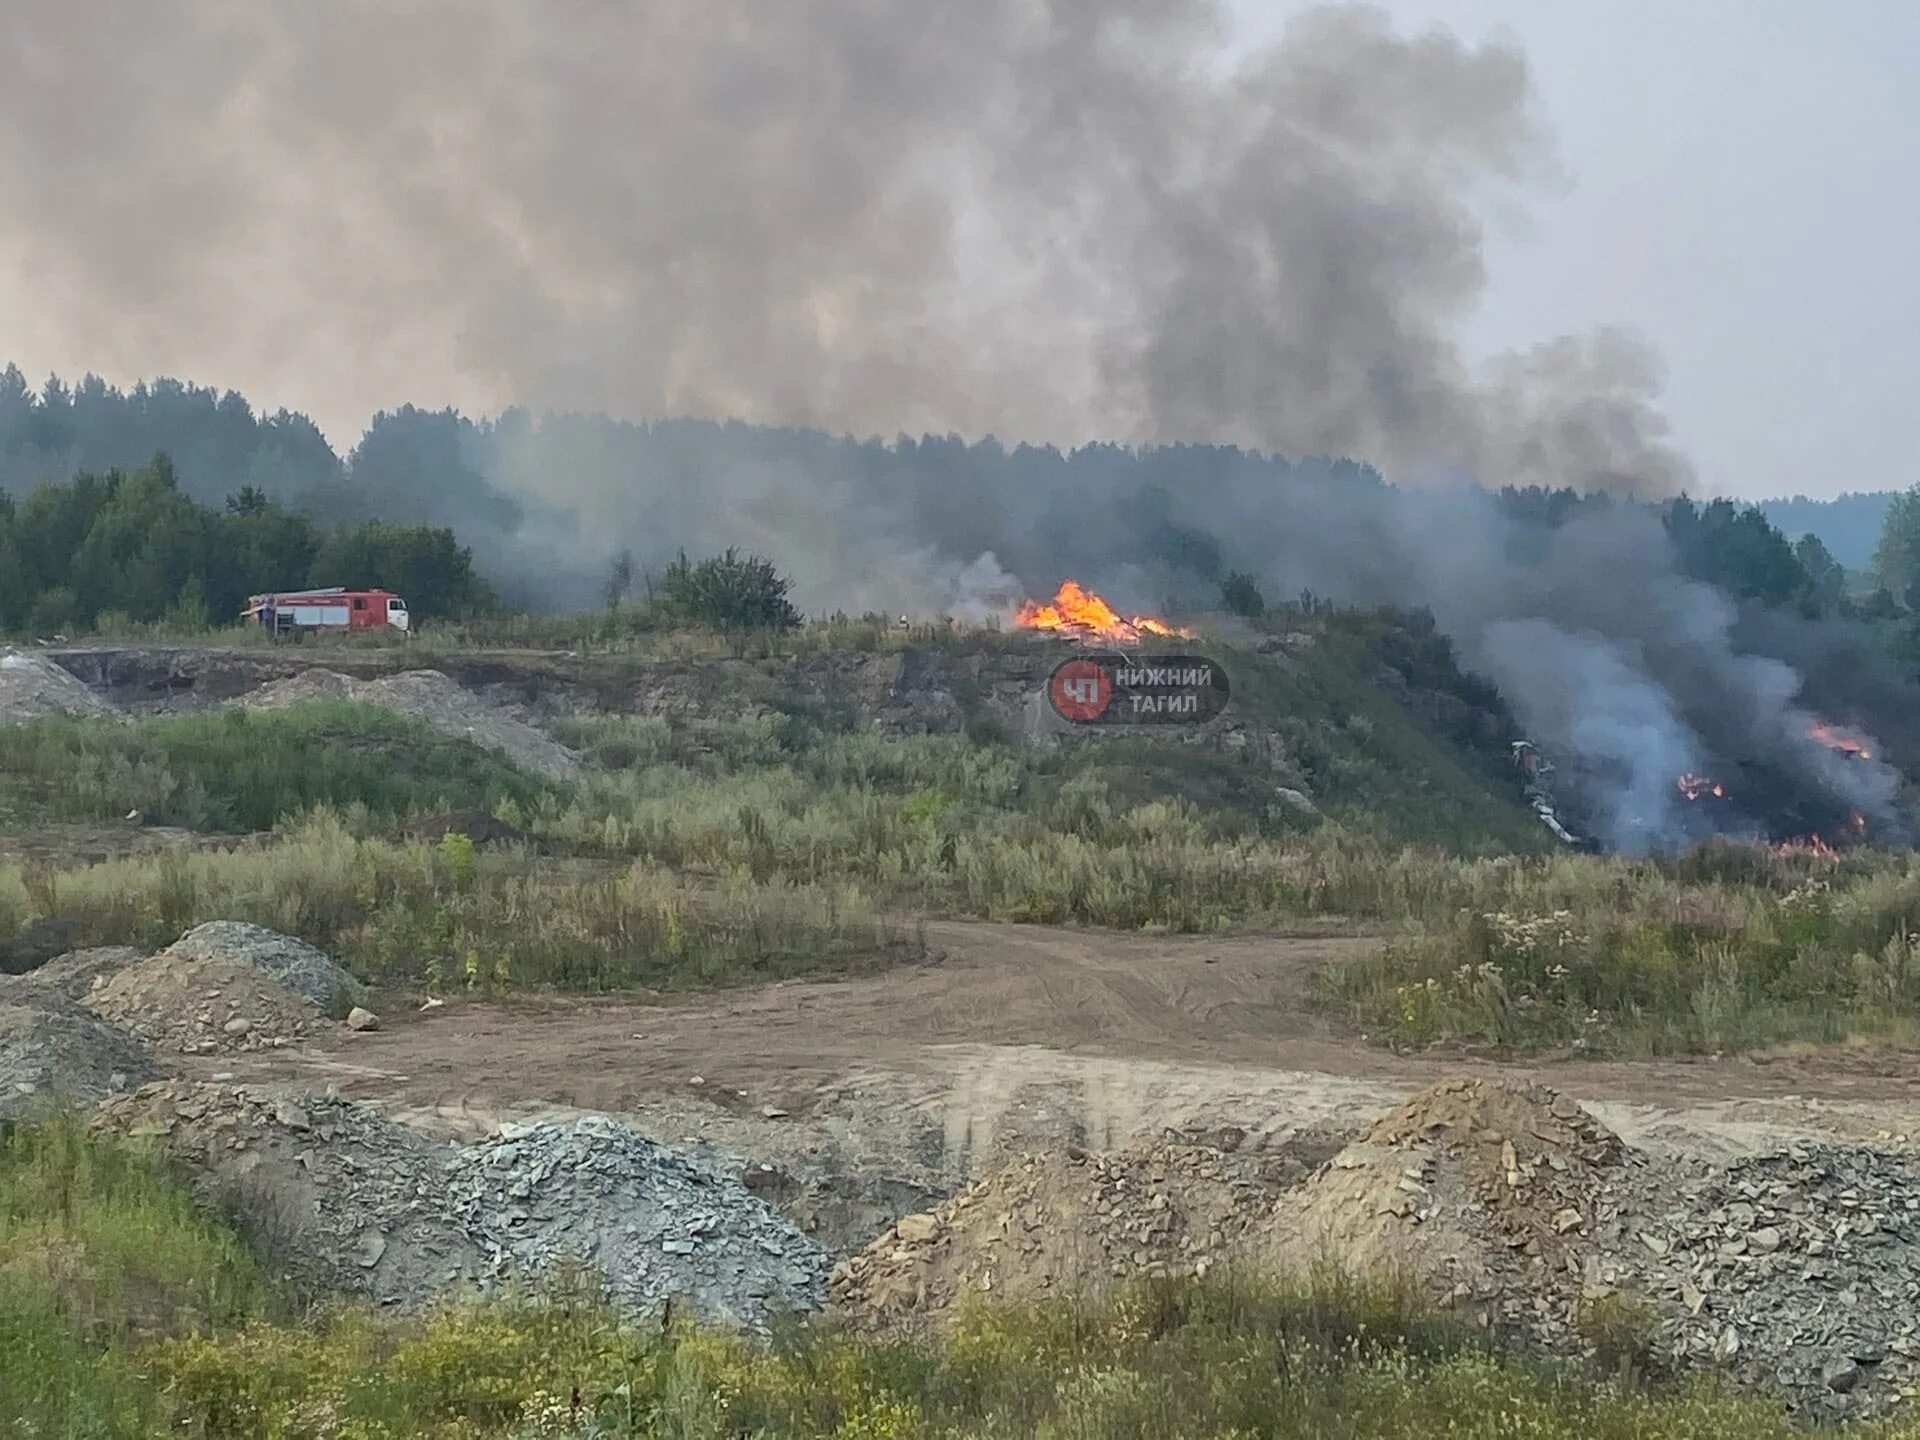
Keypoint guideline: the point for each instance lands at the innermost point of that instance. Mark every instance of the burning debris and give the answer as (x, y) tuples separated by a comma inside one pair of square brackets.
[(1077, 612), (1850, 743), (1699, 787)]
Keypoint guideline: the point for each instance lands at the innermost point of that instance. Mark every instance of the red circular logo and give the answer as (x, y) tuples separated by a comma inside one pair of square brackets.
[(1080, 689)]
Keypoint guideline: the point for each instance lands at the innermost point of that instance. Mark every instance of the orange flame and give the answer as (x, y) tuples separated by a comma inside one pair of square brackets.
[(1848, 743), (1814, 845), (1077, 611), (1699, 787)]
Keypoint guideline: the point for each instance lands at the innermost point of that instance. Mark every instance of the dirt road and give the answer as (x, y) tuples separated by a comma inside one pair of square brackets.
[(1023, 1037)]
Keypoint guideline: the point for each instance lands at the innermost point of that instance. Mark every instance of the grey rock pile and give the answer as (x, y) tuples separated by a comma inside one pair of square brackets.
[(348, 1201), (1798, 1271), (343, 1199), (590, 1193), (53, 1052), (289, 962), (77, 972)]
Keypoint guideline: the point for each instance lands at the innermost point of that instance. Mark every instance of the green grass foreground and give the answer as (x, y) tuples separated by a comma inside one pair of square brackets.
[(125, 1312)]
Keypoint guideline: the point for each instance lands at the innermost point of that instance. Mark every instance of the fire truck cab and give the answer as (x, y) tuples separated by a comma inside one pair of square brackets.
[(335, 608)]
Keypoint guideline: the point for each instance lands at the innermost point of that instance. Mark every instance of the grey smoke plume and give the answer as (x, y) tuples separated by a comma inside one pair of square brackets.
[(1057, 220), (1054, 219)]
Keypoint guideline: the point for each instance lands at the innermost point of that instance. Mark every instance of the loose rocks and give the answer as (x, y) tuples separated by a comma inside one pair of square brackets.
[(656, 1224), (349, 1201), (1800, 1271), (203, 1007), (289, 962), (51, 1050), (1060, 1225), (77, 972), (343, 1199)]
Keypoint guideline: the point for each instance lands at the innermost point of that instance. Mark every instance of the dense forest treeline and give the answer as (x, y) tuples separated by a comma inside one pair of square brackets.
[(247, 501), (130, 544)]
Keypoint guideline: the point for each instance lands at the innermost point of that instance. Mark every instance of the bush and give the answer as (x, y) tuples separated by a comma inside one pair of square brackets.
[(736, 594), (1240, 595)]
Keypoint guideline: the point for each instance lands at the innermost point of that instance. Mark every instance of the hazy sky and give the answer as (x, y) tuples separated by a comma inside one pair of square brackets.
[(1742, 186), (729, 206)]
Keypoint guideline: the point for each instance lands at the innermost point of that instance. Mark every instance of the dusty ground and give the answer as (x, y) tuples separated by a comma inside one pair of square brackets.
[(861, 1099)]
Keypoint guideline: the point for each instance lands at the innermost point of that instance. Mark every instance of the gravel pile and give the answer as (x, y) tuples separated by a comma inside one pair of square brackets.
[(1798, 1271), (436, 700), (656, 1225), (289, 962), (343, 1199), (52, 1051), (76, 973), (1067, 1224), (203, 1007), (32, 687), (351, 1202)]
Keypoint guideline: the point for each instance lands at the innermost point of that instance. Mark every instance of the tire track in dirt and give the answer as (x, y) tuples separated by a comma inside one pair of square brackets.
[(1022, 1037)]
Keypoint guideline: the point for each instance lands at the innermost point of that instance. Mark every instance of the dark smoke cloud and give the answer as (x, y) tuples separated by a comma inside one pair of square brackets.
[(1056, 220), (1050, 219)]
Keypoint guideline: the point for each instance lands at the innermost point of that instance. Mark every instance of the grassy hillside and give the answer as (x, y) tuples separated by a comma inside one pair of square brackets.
[(241, 770)]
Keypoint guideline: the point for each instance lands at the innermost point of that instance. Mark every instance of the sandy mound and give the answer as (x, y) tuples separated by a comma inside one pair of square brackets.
[(436, 700), (32, 686), (1482, 1192), (281, 958), (52, 1051), (203, 1007), (1061, 1225)]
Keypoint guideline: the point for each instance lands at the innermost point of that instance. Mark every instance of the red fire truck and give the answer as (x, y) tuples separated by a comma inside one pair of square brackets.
[(337, 608)]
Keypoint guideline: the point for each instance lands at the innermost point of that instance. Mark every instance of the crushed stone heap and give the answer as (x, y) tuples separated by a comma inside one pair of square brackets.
[(436, 700), (53, 1051), (344, 1199), (1798, 1271), (222, 987), (281, 958), (655, 1223), (203, 1007), (350, 1201), (1061, 1225)]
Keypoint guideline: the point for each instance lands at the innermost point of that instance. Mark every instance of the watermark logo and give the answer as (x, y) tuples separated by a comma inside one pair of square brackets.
[(1138, 690), (1081, 690)]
